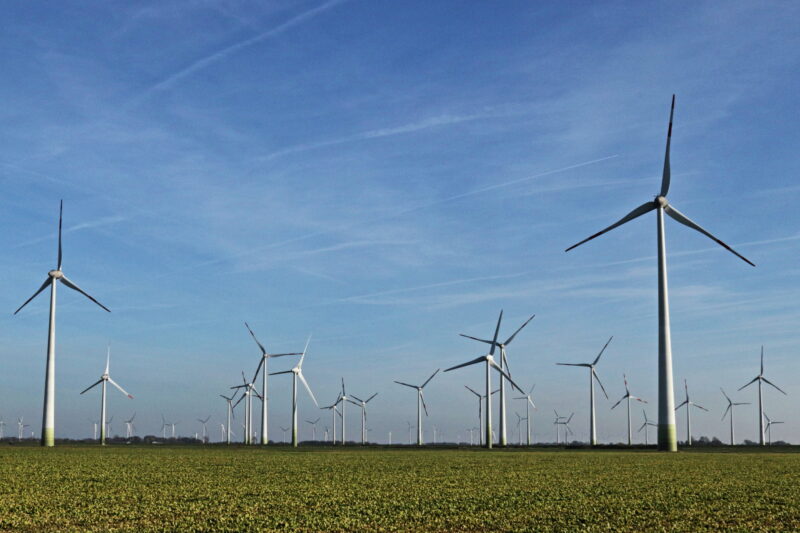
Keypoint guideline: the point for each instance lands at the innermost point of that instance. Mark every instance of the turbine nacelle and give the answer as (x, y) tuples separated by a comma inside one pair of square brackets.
[(661, 201), (57, 274)]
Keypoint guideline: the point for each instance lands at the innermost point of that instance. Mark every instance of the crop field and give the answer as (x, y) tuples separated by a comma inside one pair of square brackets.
[(129, 488)]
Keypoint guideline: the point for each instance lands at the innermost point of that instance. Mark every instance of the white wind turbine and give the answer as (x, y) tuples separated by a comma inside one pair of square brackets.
[(229, 402), (628, 396), (2, 429), (129, 427), (343, 398), (284, 433), (689, 404), (49, 416), (646, 427), (731, 405), (667, 437), (519, 430), (564, 421), (504, 366), (205, 427), (108, 425), (480, 398), (592, 378), (363, 404), (760, 378), (94, 428), (249, 392), (21, 427), (420, 403), (313, 429), (768, 428), (297, 373), (104, 379), (265, 398), (528, 404), (334, 411)]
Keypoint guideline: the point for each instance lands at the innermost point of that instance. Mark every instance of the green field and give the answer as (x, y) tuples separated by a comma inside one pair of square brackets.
[(83, 488)]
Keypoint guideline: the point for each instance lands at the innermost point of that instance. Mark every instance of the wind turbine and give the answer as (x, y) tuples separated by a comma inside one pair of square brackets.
[(284, 433), (263, 362), (646, 427), (420, 403), (769, 427), (363, 404), (528, 404), (334, 411), (129, 427), (688, 403), (628, 396), (519, 431), (313, 429), (562, 421), (205, 428), (108, 424), (297, 372), (249, 391), (49, 416), (104, 379), (2, 428), (592, 378), (229, 402), (21, 427), (760, 378), (409, 432), (731, 405), (343, 398), (481, 397), (667, 437), (503, 366), (164, 427)]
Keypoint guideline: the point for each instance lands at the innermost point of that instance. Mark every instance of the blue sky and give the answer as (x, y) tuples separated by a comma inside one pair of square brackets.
[(387, 175)]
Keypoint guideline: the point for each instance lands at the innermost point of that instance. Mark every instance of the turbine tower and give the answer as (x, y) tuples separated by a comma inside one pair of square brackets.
[(105, 378), (689, 404), (769, 427), (130, 429), (343, 398), (334, 411), (49, 415), (628, 396), (229, 402), (297, 373), (265, 398), (667, 438), (504, 366), (646, 427), (313, 429), (481, 398), (563, 421), (592, 378), (249, 391), (731, 405), (420, 403), (760, 378), (204, 422), (528, 404)]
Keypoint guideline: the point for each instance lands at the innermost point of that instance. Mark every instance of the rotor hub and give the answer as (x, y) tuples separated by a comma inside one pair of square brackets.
[(57, 274), (661, 201)]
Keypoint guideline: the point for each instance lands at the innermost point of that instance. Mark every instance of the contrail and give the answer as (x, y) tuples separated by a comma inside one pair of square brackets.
[(210, 59)]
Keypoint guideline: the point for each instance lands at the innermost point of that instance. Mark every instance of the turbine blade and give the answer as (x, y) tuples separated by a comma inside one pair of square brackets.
[(371, 397), (601, 351), (683, 219), (619, 402), (600, 383), (271, 355), (303, 379), (258, 368), (476, 360), (74, 287), (505, 375), (261, 347), (473, 392), (430, 378), (60, 216), (353, 396), (682, 404), (405, 384), (771, 383), (302, 357), (511, 338), (726, 412), (123, 391), (35, 294), (639, 211), (762, 361), (750, 382), (641, 428), (496, 332), (424, 407), (726, 396), (665, 177), (573, 364), (90, 387), (475, 338), (271, 374), (700, 407)]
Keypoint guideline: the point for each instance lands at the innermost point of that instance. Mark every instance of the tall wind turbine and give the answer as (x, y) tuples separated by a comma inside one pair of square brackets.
[(504, 366), (667, 438), (564, 421), (689, 404), (229, 402), (249, 392), (769, 427), (731, 405), (21, 427), (343, 398), (264, 402), (333, 408), (313, 429), (646, 427), (628, 396), (284, 433), (363, 404), (297, 373), (481, 398), (49, 415), (204, 422), (592, 378), (420, 404), (105, 378), (528, 404), (130, 429), (760, 378)]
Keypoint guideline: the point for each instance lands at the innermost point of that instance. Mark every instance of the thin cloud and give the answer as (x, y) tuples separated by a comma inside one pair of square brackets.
[(214, 57), (99, 223)]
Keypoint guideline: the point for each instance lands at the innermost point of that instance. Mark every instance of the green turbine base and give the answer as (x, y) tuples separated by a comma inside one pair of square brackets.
[(667, 438), (49, 437)]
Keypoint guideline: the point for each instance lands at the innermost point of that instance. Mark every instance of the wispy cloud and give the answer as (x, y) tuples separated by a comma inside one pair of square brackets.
[(98, 223), (222, 53)]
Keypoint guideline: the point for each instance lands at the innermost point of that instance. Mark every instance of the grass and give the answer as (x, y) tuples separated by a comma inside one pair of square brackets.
[(83, 488)]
